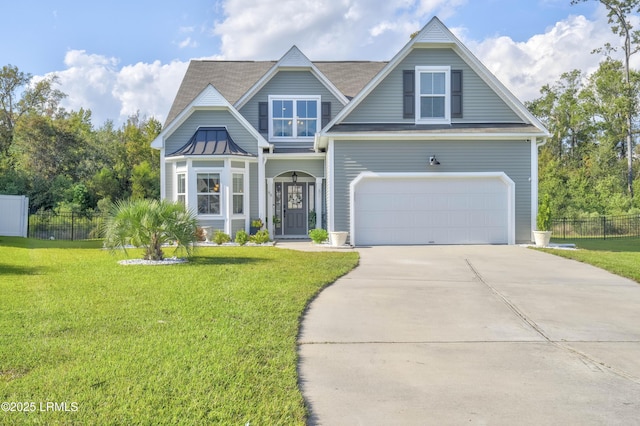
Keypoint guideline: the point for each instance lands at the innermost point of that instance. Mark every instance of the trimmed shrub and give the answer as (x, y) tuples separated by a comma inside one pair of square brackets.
[(319, 236), (242, 237), (261, 237), (221, 238)]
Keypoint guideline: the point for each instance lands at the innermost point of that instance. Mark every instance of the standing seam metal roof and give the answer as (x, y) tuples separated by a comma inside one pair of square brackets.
[(210, 141)]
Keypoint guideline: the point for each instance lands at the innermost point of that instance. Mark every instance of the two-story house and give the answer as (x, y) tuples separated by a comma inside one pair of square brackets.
[(427, 148)]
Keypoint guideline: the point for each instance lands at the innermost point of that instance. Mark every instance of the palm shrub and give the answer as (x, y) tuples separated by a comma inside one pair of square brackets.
[(150, 224)]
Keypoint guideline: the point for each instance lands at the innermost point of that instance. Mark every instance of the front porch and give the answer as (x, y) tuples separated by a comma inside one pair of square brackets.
[(294, 187), (294, 205)]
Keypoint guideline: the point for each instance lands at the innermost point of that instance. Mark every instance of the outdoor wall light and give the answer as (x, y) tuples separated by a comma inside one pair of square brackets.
[(433, 161), (294, 177)]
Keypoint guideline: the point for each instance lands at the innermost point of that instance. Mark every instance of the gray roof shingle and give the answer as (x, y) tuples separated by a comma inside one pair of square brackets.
[(234, 78)]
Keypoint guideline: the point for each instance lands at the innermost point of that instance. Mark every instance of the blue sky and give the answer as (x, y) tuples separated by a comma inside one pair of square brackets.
[(119, 56)]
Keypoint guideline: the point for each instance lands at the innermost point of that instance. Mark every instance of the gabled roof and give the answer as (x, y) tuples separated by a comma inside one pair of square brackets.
[(294, 59), (210, 141), (208, 99), (232, 79), (436, 34)]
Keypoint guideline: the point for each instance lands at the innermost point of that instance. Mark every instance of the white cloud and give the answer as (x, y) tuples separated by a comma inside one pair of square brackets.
[(524, 67), (97, 83), (332, 29), (329, 30), (148, 88), (187, 42)]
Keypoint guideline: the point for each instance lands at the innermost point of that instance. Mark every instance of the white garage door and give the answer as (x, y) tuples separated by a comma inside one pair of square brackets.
[(431, 210)]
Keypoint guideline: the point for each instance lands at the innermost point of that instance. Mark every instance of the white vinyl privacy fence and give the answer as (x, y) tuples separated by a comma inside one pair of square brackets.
[(14, 215)]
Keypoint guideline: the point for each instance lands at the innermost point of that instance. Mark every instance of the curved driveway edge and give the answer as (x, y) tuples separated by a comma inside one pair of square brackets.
[(496, 335)]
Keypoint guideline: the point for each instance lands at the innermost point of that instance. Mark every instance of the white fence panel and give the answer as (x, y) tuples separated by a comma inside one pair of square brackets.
[(14, 215)]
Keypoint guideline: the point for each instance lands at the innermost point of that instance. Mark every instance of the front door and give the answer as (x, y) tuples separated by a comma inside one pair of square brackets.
[(295, 209)]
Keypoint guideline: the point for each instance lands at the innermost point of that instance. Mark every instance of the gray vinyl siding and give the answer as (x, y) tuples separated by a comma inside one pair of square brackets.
[(237, 131), (480, 103), (236, 225), (275, 168), (215, 224), (510, 157), (169, 176), (298, 83)]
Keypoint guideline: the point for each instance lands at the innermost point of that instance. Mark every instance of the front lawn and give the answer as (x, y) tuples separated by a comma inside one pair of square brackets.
[(208, 342), (620, 256)]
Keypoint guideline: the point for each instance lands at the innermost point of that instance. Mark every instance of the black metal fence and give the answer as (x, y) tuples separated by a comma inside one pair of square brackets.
[(603, 227), (65, 226)]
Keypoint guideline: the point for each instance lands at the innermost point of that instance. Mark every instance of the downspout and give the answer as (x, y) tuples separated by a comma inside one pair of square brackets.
[(534, 181)]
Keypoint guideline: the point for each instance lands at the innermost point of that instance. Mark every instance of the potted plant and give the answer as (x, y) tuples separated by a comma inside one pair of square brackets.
[(542, 234), (256, 225), (338, 238)]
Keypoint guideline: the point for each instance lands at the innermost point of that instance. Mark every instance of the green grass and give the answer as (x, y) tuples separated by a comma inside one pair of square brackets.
[(620, 256), (208, 342)]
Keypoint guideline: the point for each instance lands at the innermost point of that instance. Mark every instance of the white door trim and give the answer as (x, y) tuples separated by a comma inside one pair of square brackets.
[(511, 194)]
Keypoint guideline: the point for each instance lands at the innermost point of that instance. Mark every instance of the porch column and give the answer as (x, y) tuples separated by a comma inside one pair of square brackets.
[(163, 176), (319, 205), (269, 205), (226, 182), (262, 199)]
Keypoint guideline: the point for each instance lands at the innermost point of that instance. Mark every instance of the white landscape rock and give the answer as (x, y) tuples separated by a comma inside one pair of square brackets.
[(167, 261)]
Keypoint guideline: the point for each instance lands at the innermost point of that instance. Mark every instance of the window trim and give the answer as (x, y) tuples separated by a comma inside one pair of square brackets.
[(447, 95), (183, 175), (234, 194), (294, 98), (219, 193)]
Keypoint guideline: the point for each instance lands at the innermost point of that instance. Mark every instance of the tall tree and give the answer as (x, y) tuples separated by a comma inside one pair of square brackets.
[(20, 95), (11, 80), (561, 109), (619, 13)]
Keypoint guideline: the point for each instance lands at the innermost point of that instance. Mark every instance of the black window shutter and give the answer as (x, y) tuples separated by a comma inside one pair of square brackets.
[(263, 116), (456, 93), (326, 113), (408, 93)]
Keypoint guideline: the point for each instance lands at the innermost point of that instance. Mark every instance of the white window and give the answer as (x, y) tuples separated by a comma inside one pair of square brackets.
[(433, 95), (182, 188), (238, 193), (208, 193), (293, 117)]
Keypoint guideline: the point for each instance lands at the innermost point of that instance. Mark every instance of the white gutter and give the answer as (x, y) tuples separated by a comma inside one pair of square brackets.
[(534, 181)]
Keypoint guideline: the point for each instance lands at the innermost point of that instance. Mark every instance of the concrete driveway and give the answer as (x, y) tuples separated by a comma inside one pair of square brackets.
[(496, 335)]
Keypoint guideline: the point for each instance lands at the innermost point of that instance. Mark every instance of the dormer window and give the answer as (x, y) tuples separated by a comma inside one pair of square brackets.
[(293, 117), (433, 89)]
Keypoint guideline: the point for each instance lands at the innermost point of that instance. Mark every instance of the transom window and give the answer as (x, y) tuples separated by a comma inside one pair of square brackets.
[(208, 193), (433, 89), (294, 117)]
